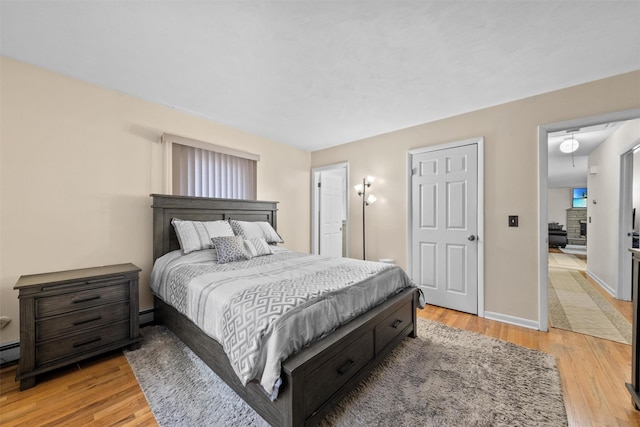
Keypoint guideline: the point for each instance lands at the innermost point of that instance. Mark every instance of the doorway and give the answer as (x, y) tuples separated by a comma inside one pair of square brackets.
[(329, 210), (624, 215), (445, 212)]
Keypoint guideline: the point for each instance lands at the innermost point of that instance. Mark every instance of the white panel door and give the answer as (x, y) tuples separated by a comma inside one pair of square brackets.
[(331, 197), (444, 213)]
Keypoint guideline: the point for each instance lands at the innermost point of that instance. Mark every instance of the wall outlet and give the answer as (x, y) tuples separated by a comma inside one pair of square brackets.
[(4, 321)]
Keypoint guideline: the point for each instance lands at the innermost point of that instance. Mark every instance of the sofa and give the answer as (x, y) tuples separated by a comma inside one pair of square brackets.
[(557, 236)]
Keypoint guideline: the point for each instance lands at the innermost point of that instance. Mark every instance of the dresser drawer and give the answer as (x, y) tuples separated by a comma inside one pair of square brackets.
[(77, 321), (392, 326), (335, 372), (68, 346), (72, 301)]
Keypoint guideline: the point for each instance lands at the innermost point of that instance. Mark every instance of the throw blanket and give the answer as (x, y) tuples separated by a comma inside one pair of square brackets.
[(265, 309)]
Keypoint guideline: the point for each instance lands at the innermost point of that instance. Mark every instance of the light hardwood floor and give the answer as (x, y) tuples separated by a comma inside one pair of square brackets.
[(104, 391)]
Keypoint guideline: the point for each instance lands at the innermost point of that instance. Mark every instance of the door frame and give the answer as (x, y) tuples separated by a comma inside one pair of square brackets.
[(315, 204), (479, 142), (625, 220), (543, 228)]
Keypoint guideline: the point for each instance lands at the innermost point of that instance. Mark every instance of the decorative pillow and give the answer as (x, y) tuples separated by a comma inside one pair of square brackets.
[(255, 230), (197, 235), (258, 247), (230, 248)]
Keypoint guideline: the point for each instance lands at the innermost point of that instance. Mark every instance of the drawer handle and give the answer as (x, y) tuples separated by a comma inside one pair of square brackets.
[(81, 322), (345, 367), (106, 279), (85, 342), (89, 298), (396, 324)]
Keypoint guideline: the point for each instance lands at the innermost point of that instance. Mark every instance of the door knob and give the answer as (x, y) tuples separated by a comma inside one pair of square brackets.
[(471, 237)]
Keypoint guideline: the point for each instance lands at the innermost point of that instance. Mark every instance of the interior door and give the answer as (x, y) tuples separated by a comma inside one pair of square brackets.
[(331, 201), (444, 213)]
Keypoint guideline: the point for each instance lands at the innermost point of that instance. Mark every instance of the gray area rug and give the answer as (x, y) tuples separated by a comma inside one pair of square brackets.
[(445, 377)]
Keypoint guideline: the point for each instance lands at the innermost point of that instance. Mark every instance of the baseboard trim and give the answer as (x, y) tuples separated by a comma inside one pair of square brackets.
[(512, 320), (10, 352), (602, 284), (146, 317)]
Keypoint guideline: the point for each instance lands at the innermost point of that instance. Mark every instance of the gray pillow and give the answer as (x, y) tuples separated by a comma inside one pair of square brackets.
[(230, 248)]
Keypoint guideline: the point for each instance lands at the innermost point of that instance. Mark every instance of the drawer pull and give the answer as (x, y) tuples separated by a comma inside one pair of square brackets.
[(106, 279), (85, 342), (89, 298), (396, 324), (345, 367), (81, 322)]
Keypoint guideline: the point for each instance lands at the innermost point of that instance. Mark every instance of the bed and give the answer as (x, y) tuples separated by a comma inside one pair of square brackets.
[(318, 376)]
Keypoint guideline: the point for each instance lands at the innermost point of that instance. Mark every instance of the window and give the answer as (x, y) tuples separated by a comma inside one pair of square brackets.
[(206, 170)]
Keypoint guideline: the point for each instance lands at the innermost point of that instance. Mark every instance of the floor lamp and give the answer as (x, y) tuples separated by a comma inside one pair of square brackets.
[(366, 201)]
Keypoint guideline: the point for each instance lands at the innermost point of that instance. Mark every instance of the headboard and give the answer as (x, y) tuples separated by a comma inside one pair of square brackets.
[(166, 207)]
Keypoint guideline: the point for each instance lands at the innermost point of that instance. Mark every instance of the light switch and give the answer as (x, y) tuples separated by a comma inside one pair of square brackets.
[(513, 220)]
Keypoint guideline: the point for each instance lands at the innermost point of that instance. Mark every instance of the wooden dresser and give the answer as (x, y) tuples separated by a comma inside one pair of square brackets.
[(68, 316)]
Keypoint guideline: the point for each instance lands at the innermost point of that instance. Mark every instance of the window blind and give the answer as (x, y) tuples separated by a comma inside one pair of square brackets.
[(207, 173)]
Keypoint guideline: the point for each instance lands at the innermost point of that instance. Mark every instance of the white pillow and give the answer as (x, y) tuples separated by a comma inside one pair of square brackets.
[(258, 247), (197, 235), (255, 230)]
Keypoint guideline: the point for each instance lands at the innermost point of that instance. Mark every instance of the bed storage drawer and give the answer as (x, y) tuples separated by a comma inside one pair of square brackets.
[(392, 326), (336, 371)]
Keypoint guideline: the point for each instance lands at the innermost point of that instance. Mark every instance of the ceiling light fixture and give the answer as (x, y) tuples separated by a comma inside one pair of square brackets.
[(569, 145)]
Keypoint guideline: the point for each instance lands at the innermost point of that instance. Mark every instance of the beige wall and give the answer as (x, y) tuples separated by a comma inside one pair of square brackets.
[(511, 182), (604, 189), (78, 163)]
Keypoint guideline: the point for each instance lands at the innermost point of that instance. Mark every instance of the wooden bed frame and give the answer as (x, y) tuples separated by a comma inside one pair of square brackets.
[(314, 379)]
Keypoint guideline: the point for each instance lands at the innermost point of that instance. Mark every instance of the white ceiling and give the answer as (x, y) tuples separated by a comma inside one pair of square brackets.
[(314, 74)]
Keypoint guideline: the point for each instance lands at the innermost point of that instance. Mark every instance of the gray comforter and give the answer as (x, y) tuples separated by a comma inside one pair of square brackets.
[(265, 309)]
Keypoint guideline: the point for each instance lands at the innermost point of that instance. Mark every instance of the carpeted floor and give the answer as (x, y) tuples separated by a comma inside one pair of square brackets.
[(576, 306), (445, 377)]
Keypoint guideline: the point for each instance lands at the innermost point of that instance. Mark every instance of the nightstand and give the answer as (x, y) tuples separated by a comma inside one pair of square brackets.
[(68, 316)]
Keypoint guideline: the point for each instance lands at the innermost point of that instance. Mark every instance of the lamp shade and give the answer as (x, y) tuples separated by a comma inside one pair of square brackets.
[(371, 199), (359, 188)]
